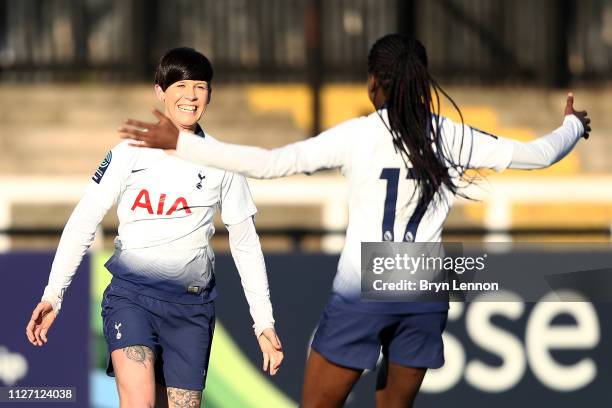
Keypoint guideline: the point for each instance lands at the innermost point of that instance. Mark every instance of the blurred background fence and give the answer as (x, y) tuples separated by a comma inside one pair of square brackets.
[(545, 42)]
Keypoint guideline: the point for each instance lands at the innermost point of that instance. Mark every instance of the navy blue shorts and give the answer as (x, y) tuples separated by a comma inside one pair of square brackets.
[(179, 335), (354, 339)]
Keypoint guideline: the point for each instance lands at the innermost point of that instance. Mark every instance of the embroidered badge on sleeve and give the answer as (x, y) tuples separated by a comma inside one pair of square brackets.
[(97, 177)]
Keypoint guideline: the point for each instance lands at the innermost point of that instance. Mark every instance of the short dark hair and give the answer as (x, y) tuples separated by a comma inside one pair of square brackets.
[(180, 64)]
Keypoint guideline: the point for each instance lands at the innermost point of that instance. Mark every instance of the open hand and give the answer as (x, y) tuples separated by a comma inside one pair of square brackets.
[(38, 326), (160, 135), (271, 349), (582, 115)]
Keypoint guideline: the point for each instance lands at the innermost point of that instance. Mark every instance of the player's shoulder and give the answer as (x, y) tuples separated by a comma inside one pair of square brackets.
[(349, 129), (461, 129), (357, 123), (127, 155), (443, 121), (119, 152), (125, 149), (448, 127)]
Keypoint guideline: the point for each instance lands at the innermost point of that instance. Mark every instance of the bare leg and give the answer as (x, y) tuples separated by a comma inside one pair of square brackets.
[(398, 386), (326, 384), (179, 398), (135, 376)]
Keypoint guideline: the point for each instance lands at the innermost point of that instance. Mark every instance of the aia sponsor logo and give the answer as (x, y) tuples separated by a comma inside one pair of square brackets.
[(143, 200)]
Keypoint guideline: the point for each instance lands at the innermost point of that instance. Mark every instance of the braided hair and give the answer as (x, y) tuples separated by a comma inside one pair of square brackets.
[(399, 63)]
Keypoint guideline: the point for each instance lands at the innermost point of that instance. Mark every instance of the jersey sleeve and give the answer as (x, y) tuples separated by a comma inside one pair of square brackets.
[(100, 195), (249, 260), (548, 149), (468, 147), (328, 150), (236, 201)]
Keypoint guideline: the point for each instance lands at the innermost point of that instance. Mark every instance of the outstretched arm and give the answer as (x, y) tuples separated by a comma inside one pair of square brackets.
[(327, 150), (549, 149), (472, 148)]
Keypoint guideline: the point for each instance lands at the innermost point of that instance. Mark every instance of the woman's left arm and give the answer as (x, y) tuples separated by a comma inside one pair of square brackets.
[(478, 149), (548, 149), (248, 257), (249, 260)]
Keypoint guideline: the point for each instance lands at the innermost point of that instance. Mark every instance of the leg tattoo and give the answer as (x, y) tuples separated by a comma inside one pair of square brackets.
[(179, 398), (139, 354)]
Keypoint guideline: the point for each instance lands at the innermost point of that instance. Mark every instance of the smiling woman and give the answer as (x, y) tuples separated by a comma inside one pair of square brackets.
[(184, 93), (160, 301)]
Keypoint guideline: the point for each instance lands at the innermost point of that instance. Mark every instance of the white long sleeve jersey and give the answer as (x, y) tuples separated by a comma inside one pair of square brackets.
[(165, 207), (381, 194)]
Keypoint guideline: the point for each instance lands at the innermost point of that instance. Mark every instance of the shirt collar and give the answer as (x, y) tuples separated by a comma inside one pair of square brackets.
[(198, 130)]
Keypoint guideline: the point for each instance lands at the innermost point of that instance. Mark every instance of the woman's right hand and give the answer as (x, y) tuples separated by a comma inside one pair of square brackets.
[(42, 319)]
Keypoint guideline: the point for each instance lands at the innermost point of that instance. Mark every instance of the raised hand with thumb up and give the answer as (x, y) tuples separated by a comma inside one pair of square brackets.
[(581, 115)]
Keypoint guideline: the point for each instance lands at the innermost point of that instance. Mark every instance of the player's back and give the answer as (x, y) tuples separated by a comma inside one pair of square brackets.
[(384, 200)]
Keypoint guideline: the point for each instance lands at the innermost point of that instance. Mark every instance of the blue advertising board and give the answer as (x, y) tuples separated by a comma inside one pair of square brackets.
[(502, 354), (497, 353), (64, 361)]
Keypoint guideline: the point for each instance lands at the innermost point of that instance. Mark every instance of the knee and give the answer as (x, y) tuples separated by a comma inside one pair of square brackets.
[(320, 399)]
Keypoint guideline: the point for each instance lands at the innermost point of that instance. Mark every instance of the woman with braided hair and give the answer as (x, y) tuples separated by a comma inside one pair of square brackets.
[(403, 164)]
